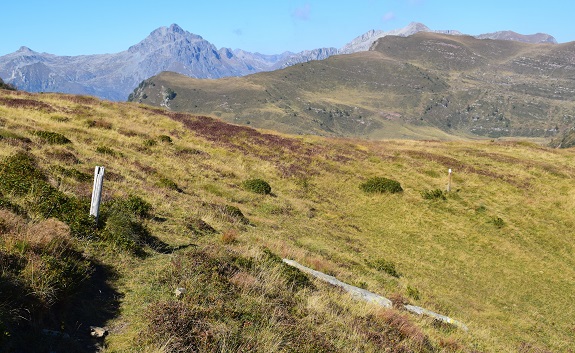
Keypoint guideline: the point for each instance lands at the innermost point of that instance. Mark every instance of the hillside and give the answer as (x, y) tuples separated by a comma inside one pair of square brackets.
[(496, 253), (427, 85)]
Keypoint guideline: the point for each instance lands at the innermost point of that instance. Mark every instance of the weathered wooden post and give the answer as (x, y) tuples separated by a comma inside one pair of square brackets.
[(449, 181), (97, 192)]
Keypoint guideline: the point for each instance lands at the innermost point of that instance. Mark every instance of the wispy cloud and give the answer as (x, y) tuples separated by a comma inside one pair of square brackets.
[(302, 13), (388, 16)]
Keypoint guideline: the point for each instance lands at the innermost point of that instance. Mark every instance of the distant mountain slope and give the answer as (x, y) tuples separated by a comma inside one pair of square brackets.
[(427, 85), (510, 35), (114, 76)]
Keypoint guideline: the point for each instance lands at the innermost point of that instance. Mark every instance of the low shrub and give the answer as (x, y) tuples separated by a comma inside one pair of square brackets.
[(106, 150), (436, 194), (183, 328), (120, 228), (385, 266), (233, 213), (413, 292), (137, 206), (259, 186), (102, 124), (165, 139), (381, 185), (52, 138), (71, 173), (20, 176), (198, 226), (294, 277), (168, 184), (150, 142), (498, 222)]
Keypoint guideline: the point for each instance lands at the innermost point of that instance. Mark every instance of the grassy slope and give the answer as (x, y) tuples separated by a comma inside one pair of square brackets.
[(497, 254)]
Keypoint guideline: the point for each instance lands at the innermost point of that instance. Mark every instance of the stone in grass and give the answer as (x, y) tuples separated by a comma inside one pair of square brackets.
[(98, 332), (179, 292)]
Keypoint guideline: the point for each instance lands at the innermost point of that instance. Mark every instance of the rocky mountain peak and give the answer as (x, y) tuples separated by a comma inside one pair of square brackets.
[(163, 36), (415, 27), (24, 49)]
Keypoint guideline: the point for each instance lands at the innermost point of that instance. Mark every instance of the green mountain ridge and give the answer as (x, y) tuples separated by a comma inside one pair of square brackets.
[(423, 86)]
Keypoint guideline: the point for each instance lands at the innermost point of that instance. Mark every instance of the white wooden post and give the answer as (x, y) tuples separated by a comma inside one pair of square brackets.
[(97, 192), (449, 181)]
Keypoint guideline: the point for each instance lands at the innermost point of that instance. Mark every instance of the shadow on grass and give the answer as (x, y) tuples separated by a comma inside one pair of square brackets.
[(66, 326)]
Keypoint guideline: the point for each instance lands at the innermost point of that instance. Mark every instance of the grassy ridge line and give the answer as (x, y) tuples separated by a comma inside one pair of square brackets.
[(429, 85), (497, 253)]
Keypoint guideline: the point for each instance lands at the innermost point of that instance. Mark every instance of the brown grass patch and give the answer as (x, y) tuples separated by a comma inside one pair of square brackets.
[(229, 236), (244, 280)]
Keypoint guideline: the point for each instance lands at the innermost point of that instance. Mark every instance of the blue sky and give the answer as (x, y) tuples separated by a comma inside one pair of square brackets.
[(74, 27)]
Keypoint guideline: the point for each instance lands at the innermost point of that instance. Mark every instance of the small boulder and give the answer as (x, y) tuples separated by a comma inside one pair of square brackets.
[(98, 332), (179, 292)]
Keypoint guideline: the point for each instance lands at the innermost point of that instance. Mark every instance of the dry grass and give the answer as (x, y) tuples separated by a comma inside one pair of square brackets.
[(511, 284)]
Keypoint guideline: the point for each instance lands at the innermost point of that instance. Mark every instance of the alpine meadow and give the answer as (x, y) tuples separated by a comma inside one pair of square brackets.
[(209, 208)]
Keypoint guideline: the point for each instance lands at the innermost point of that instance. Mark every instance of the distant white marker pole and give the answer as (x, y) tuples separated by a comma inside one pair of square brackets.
[(97, 192), (449, 180)]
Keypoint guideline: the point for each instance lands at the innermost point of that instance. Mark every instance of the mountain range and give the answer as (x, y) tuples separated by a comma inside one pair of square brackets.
[(114, 76), (427, 85)]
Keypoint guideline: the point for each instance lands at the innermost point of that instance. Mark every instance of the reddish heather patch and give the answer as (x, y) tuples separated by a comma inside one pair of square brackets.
[(292, 157), (80, 99), (26, 103)]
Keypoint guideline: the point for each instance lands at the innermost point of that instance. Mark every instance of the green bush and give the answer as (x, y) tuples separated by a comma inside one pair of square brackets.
[(137, 206), (381, 185), (165, 139), (71, 173), (498, 222), (198, 226), (52, 138), (168, 184), (258, 186), (385, 266), (105, 150), (234, 213), (413, 292), (20, 176), (293, 276), (436, 194), (150, 142)]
